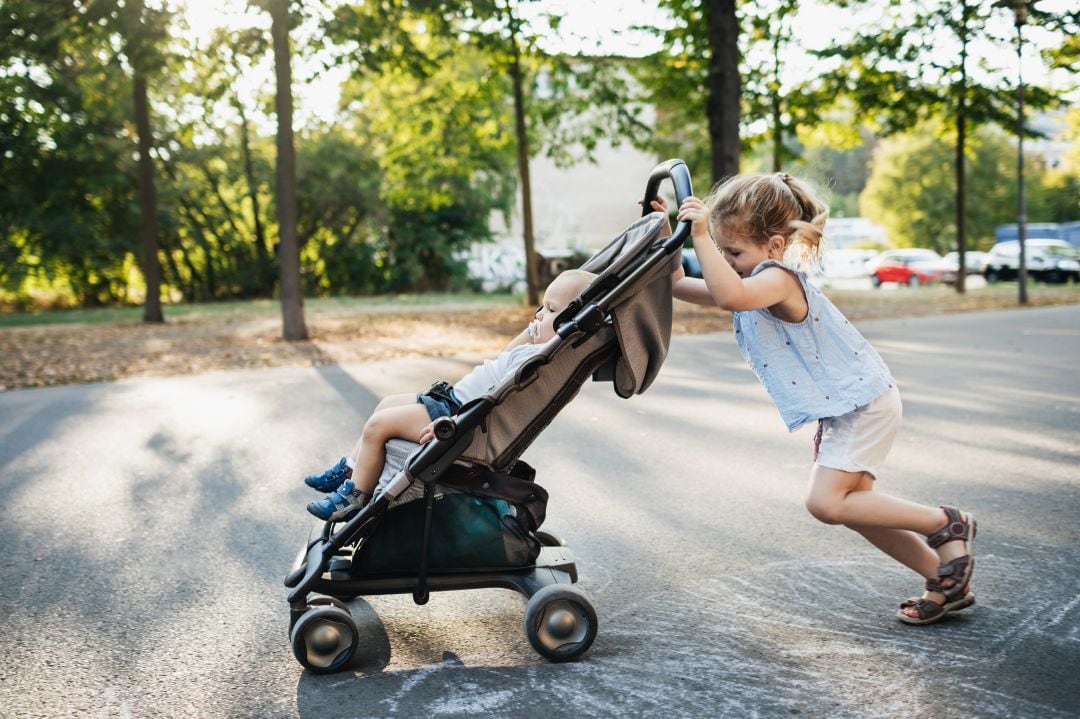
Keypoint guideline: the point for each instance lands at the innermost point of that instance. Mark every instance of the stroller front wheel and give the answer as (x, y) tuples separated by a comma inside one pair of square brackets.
[(324, 639), (560, 622), (547, 539), (320, 600)]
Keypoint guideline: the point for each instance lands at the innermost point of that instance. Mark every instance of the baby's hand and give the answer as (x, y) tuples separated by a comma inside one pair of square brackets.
[(427, 433), (694, 211)]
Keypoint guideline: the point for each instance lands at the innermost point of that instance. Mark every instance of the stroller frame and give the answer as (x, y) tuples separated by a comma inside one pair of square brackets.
[(560, 621)]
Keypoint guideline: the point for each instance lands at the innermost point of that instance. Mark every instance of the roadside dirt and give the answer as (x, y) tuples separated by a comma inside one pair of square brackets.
[(42, 355)]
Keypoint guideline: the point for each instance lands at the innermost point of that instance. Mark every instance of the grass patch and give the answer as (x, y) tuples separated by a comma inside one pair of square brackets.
[(902, 300), (1002, 295), (254, 309), (66, 346)]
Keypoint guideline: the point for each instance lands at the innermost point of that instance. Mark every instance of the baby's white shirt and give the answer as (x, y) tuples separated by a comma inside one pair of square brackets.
[(493, 372)]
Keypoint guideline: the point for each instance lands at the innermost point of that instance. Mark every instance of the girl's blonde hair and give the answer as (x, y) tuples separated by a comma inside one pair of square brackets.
[(756, 207)]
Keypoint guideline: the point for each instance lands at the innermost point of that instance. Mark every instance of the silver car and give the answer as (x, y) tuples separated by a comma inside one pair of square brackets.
[(1046, 260)]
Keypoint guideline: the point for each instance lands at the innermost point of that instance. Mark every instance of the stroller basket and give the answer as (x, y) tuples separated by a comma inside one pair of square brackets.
[(617, 330)]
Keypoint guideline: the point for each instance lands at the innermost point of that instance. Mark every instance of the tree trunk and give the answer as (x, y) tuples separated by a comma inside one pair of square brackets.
[(531, 271), (961, 205), (774, 93), (148, 239), (724, 88), (292, 300), (961, 193)]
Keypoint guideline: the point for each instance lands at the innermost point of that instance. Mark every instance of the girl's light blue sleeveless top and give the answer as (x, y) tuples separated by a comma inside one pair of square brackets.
[(820, 367)]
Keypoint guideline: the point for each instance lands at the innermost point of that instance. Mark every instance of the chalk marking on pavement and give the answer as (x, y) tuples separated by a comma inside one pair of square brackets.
[(1043, 709)]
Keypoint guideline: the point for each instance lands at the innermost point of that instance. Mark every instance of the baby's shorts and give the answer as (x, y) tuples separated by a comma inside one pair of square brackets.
[(439, 400), (860, 440)]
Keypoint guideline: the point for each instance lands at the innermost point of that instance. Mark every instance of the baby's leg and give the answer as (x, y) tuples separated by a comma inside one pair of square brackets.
[(403, 421), (393, 400)]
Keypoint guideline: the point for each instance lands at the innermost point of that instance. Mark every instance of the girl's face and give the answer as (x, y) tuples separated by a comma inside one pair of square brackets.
[(558, 295), (744, 255)]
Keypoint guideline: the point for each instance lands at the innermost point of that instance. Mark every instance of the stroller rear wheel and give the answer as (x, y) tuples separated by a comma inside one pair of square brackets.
[(560, 622), (324, 639)]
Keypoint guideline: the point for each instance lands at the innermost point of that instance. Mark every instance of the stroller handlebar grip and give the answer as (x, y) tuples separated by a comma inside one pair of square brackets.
[(676, 171)]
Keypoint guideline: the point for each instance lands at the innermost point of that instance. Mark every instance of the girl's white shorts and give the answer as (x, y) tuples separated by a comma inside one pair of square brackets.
[(860, 440)]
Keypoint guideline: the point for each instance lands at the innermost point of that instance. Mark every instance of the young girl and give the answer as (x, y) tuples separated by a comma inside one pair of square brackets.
[(816, 366), (412, 416)]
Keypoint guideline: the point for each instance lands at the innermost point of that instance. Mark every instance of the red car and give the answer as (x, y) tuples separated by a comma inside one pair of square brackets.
[(912, 267)]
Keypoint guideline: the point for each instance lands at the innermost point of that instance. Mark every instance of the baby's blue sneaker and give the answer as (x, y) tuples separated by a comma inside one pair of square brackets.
[(331, 479), (339, 504)]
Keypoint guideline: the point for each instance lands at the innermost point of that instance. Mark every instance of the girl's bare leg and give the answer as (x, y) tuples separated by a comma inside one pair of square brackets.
[(403, 421), (890, 524)]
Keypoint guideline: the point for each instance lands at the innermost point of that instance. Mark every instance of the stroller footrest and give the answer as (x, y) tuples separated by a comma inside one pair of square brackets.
[(558, 558)]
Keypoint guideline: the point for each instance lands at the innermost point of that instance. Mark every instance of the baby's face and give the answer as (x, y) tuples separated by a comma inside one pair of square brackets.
[(559, 294)]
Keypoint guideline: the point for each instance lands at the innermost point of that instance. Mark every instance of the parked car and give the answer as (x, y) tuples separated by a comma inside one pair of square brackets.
[(845, 264), (1046, 260), (973, 263), (911, 266)]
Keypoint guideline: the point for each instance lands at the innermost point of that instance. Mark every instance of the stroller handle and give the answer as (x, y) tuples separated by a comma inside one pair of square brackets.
[(677, 172)]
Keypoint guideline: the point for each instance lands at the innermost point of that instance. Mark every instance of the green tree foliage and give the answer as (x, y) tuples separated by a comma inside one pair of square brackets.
[(67, 199), (909, 191), (477, 91), (1062, 182), (444, 147), (393, 187), (341, 218), (220, 123), (694, 83), (1066, 26), (776, 108), (901, 72), (218, 208), (388, 194), (719, 85)]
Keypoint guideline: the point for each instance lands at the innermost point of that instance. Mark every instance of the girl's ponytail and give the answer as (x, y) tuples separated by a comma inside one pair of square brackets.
[(807, 239)]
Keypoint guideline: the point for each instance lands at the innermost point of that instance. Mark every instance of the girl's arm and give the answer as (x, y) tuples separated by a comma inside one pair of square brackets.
[(691, 289), (687, 289), (728, 290)]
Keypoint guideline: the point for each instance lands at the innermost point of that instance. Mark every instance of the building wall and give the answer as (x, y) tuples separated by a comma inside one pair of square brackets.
[(584, 206)]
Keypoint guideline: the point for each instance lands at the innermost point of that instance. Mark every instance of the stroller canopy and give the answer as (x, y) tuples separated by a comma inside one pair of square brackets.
[(641, 313)]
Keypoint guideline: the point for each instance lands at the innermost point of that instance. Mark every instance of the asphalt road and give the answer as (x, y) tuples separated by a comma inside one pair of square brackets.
[(146, 525)]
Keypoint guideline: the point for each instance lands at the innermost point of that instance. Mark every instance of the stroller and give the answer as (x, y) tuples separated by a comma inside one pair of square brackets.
[(466, 494)]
